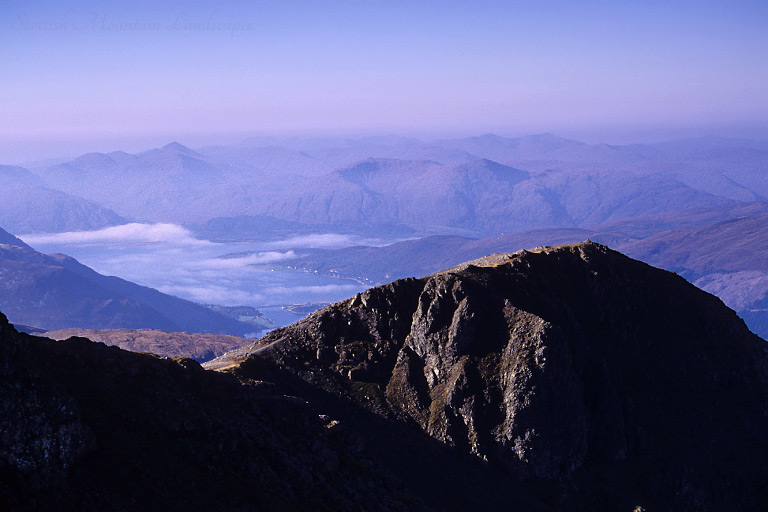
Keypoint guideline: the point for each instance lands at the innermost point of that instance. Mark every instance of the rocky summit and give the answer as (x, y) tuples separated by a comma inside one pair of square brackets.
[(601, 381), (564, 378)]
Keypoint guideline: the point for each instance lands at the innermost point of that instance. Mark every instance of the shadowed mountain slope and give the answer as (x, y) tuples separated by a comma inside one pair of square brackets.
[(85, 427), (728, 258), (56, 292)]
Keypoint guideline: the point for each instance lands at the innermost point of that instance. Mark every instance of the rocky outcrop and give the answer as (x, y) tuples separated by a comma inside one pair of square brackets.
[(596, 375)]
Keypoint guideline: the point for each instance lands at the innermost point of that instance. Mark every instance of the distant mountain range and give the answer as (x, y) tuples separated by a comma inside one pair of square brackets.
[(478, 186), (146, 186), (56, 292), (553, 183), (477, 194)]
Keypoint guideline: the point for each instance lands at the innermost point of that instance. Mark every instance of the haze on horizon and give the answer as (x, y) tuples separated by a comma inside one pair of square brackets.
[(85, 75)]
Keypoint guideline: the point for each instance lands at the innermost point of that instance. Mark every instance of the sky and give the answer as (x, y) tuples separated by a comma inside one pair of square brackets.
[(138, 73)]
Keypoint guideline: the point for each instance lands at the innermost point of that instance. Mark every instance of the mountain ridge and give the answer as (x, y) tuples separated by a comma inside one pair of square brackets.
[(86, 427), (483, 358), (571, 183)]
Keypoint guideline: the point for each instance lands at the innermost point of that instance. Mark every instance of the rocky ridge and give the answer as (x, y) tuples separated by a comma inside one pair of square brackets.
[(575, 366)]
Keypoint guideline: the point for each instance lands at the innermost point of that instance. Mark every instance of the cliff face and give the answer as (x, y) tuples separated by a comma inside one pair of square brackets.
[(607, 379)]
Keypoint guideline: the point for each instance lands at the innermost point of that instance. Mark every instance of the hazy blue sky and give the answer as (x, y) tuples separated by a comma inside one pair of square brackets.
[(100, 70)]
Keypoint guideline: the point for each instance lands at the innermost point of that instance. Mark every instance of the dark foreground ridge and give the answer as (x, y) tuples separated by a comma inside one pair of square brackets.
[(560, 378), (86, 427)]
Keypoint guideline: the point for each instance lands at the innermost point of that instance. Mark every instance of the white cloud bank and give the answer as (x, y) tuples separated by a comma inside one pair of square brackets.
[(259, 258), (169, 258), (125, 234), (324, 241)]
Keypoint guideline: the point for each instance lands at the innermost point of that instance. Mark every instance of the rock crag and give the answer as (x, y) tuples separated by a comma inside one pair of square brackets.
[(601, 377)]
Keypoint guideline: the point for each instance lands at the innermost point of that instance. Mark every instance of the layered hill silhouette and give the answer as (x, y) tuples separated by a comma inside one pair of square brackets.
[(562, 378), (485, 185), (482, 197), (726, 167), (54, 291), (380, 191), (177, 184), (567, 183), (151, 184)]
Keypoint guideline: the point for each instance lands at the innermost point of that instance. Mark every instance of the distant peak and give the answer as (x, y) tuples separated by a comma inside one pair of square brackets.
[(545, 139), (179, 148), (548, 138), (93, 158), (490, 136), (485, 162)]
